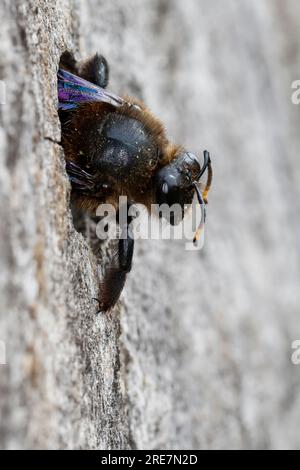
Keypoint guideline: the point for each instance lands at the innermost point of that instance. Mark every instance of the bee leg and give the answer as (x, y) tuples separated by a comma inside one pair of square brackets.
[(95, 69), (115, 276), (85, 183), (68, 62)]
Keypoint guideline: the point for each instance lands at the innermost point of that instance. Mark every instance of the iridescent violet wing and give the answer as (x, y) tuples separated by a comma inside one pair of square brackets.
[(73, 90)]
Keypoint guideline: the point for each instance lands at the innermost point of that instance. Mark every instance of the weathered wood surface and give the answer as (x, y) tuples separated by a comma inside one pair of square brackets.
[(197, 354)]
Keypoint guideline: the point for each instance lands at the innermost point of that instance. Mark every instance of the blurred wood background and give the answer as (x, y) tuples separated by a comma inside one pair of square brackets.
[(197, 353)]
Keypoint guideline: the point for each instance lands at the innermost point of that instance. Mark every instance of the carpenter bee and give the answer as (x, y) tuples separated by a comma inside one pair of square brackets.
[(115, 146)]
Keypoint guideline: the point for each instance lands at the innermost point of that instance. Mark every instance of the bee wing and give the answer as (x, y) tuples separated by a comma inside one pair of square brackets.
[(73, 90)]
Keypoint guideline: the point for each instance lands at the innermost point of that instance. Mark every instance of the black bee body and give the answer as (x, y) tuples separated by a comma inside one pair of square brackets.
[(121, 151), (115, 146)]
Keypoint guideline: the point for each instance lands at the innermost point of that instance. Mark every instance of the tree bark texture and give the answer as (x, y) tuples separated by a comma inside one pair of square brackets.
[(197, 353)]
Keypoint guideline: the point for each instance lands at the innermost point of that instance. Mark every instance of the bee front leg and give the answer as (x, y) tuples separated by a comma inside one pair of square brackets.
[(115, 276)]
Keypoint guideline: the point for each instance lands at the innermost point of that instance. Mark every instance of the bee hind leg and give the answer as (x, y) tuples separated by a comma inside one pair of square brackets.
[(94, 69), (68, 62)]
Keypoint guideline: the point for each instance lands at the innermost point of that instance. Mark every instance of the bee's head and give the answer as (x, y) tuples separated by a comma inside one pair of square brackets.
[(176, 183)]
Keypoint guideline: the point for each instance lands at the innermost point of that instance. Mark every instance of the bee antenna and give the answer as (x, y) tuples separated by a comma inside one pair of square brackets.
[(206, 165), (203, 213)]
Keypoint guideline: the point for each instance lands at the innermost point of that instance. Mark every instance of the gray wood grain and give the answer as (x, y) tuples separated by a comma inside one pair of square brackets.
[(197, 353)]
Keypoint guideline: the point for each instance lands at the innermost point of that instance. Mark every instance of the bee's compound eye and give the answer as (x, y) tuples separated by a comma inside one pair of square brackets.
[(165, 188)]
